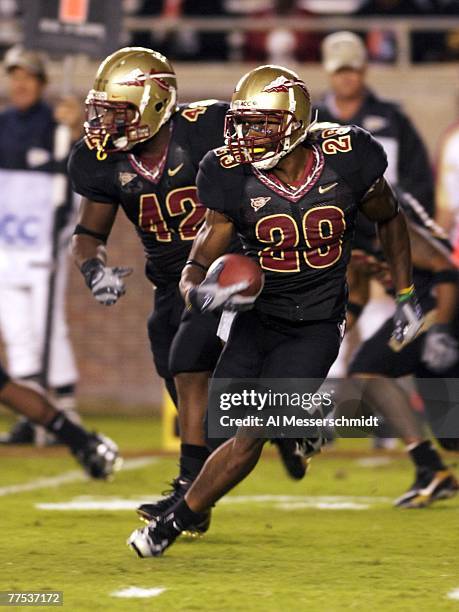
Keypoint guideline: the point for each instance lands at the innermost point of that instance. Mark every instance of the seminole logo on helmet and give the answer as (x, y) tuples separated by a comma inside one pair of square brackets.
[(282, 85), (137, 78)]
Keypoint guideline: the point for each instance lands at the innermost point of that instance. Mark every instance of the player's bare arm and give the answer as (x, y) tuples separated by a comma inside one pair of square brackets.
[(212, 240), (95, 222), (380, 205)]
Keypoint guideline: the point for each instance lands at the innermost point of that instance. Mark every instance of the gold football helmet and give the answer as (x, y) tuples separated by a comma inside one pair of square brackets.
[(134, 95), (270, 115)]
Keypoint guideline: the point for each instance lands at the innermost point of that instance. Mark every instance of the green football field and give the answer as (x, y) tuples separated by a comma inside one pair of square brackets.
[(331, 542)]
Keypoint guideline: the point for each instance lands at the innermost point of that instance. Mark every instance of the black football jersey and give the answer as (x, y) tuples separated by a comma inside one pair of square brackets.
[(301, 236), (164, 207)]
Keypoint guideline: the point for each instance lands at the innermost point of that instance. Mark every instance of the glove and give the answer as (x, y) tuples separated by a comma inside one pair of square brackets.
[(106, 284), (209, 295), (440, 350), (407, 318)]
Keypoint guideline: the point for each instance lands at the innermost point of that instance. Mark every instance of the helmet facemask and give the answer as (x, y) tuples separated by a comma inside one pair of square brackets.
[(113, 126), (260, 137)]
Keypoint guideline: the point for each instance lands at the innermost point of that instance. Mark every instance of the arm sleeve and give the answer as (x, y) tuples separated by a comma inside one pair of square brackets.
[(415, 172), (87, 178)]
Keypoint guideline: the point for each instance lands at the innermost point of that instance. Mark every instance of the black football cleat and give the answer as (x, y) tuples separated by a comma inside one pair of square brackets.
[(22, 432), (200, 528), (296, 453), (428, 487), (149, 512), (99, 457), (25, 432), (292, 458), (152, 540)]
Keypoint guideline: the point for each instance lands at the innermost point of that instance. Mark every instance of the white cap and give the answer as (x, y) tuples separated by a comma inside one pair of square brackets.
[(18, 57), (343, 50)]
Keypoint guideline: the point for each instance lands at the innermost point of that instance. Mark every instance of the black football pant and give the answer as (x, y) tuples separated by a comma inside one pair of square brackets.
[(181, 340), (260, 346)]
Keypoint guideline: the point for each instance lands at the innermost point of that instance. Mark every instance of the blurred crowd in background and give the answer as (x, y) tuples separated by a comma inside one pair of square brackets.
[(274, 44)]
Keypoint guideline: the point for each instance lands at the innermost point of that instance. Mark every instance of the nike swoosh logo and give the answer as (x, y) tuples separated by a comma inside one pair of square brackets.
[(173, 171), (325, 188)]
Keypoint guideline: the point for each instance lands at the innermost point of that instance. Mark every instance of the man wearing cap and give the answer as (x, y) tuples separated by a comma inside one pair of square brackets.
[(28, 170), (350, 101)]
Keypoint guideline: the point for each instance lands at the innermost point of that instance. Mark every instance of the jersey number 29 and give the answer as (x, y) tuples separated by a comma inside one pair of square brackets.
[(322, 228)]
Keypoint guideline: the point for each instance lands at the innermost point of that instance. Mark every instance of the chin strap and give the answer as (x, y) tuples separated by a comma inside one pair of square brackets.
[(101, 153)]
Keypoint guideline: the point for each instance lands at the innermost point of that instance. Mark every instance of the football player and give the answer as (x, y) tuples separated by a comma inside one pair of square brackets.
[(432, 354), (97, 454), (292, 194), (142, 151)]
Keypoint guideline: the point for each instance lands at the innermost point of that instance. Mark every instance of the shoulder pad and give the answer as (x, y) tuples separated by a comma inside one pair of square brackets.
[(219, 182), (342, 138), (90, 176), (195, 110), (88, 151), (354, 154), (323, 130), (225, 158)]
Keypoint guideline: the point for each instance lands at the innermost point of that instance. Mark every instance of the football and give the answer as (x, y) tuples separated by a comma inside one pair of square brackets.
[(238, 268)]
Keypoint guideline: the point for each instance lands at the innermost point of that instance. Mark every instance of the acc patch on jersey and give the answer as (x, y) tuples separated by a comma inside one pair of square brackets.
[(129, 182), (126, 177), (257, 203)]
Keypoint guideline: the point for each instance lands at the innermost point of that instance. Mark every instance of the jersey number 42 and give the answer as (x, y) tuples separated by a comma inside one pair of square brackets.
[(181, 203)]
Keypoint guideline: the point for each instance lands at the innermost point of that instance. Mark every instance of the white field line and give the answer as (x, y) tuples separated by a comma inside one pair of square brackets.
[(283, 502), (69, 477), (133, 591), (454, 594), (88, 503)]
